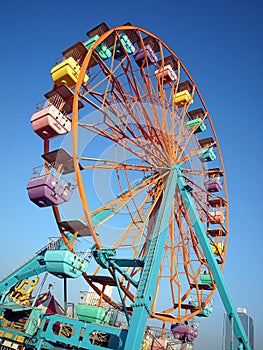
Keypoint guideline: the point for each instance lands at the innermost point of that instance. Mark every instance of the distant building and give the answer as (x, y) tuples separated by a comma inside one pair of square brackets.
[(248, 325), (92, 298)]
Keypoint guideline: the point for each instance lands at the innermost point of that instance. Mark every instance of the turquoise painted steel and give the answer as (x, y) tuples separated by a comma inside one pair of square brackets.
[(148, 280), (105, 257), (117, 264), (115, 206), (49, 335), (121, 294), (216, 273), (32, 267), (102, 256), (103, 215), (121, 339), (32, 323), (15, 333), (37, 264)]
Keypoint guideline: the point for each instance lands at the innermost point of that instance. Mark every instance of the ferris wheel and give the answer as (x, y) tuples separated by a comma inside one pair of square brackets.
[(135, 118), (132, 166)]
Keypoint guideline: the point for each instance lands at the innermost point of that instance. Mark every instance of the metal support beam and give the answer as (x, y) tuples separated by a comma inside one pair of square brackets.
[(216, 273), (148, 280), (31, 267)]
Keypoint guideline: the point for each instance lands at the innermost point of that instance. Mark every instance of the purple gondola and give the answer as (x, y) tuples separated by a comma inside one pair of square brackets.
[(46, 190), (213, 185), (139, 55), (184, 332)]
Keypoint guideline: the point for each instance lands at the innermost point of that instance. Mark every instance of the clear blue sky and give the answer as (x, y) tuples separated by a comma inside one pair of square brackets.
[(221, 45)]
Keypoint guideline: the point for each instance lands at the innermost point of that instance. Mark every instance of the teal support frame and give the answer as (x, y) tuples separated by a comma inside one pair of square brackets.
[(48, 339), (42, 332), (148, 280), (216, 273), (32, 267)]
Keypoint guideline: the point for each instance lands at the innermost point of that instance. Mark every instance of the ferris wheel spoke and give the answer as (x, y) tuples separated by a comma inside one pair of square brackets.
[(116, 87), (191, 153), (161, 142), (188, 140), (138, 224), (194, 152), (153, 105), (141, 149), (133, 235), (112, 78), (220, 207), (108, 164), (197, 249), (108, 74), (136, 89), (149, 92), (181, 135), (104, 213), (113, 207)]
